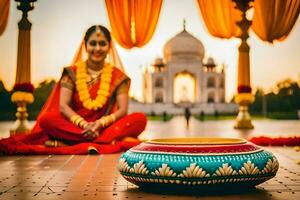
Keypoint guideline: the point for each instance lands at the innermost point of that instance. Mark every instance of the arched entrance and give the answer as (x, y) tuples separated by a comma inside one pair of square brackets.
[(184, 88)]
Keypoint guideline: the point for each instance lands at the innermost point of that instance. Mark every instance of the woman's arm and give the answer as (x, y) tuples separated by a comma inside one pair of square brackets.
[(66, 92), (65, 101), (122, 102)]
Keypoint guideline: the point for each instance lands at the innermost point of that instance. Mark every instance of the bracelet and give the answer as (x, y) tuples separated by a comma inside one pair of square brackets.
[(113, 118), (83, 123), (78, 121), (73, 118), (107, 120)]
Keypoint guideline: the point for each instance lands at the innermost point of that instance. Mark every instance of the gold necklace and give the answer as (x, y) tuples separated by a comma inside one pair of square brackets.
[(93, 73), (82, 87)]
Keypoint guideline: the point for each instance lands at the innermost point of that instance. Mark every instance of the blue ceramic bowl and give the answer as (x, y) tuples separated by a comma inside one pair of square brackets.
[(197, 162)]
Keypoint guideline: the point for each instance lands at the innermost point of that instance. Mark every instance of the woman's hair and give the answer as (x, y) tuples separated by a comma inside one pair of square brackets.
[(92, 29)]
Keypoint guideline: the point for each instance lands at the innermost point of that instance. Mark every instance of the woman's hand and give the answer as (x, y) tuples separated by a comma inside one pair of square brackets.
[(91, 131), (96, 126)]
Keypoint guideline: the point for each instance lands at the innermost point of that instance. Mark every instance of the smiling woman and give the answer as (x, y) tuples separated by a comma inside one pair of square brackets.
[(88, 105)]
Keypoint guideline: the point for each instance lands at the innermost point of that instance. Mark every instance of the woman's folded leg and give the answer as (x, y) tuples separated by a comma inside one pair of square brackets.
[(58, 127), (129, 126)]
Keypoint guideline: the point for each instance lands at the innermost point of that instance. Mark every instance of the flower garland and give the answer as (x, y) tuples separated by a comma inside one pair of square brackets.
[(82, 87), (19, 96), (22, 92), (244, 98), (24, 87), (244, 89)]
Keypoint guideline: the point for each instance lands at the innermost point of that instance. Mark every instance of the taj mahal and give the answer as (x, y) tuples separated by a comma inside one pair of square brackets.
[(183, 77)]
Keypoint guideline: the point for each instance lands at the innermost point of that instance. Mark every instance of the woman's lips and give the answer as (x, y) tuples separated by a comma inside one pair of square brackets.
[(97, 55)]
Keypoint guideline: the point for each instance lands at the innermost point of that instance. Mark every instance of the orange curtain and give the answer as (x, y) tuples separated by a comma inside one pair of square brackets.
[(4, 10), (274, 19), (133, 22), (220, 17)]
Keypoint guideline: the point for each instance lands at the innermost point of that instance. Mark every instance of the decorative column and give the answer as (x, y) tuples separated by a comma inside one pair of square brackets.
[(23, 89), (244, 97)]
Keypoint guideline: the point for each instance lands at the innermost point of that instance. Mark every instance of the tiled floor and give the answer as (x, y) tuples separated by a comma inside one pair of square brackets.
[(96, 177)]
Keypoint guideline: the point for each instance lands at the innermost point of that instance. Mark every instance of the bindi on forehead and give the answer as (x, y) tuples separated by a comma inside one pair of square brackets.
[(97, 37), (99, 32)]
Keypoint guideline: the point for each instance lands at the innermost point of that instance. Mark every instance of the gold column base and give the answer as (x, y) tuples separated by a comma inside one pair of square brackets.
[(21, 124), (21, 127), (243, 120)]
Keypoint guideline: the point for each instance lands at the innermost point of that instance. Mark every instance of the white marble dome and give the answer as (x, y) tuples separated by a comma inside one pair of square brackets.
[(183, 45)]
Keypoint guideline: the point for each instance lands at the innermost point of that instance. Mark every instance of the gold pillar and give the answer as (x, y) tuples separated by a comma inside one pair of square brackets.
[(244, 97), (23, 73)]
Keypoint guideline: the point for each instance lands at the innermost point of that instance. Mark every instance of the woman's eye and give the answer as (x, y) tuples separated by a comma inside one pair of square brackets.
[(93, 43), (102, 43)]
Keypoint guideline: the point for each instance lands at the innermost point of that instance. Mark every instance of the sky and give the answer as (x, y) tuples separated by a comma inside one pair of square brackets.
[(58, 27)]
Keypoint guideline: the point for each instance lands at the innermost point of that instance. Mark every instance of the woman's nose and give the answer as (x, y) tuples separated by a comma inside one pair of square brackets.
[(97, 47)]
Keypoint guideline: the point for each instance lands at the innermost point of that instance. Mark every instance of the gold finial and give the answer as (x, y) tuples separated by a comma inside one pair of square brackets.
[(184, 24)]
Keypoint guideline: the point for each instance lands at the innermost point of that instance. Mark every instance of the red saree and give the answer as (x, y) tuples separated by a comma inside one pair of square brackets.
[(51, 124)]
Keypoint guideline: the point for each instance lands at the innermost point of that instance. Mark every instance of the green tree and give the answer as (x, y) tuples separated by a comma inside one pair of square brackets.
[(283, 102), (256, 107), (41, 94), (6, 106)]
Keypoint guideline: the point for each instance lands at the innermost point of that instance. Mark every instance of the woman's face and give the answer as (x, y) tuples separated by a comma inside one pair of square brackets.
[(97, 47)]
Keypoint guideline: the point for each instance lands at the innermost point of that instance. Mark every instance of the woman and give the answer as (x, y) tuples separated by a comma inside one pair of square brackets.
[(88, 105)]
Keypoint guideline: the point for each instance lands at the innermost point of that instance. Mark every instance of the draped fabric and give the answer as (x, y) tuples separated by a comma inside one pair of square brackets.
[(274, 19), (220, 17), (4, 10), (133, 22)]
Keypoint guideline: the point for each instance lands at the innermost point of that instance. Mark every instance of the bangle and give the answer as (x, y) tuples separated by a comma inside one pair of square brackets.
[(113, 118), (101, 121), (73, 118), (83, 123), (78, 121), (107, 120)]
